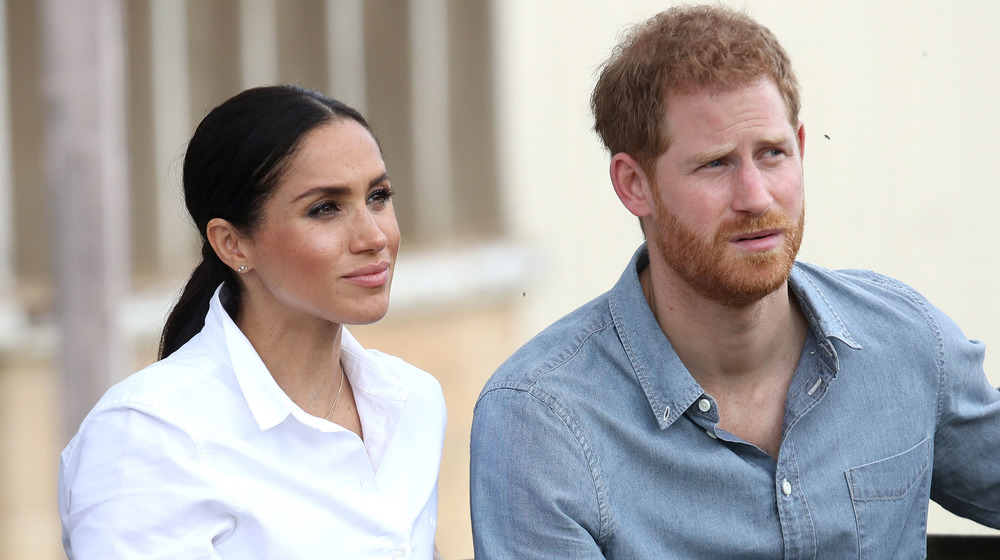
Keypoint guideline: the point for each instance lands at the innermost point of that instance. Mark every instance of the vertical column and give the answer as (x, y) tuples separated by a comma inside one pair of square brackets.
[(171, 127), (431, 123), (6, 186), (345, 46), (84, 85), (258, 42), (12, 317)]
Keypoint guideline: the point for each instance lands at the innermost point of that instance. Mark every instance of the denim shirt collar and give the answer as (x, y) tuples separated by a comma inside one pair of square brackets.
[(668, 385)]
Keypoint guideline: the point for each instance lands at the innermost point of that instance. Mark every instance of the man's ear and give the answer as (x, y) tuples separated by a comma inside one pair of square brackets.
[(631, 185), (229, 244), (801, 135)]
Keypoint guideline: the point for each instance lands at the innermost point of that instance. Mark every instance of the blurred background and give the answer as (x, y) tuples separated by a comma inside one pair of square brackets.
[(508, 218)]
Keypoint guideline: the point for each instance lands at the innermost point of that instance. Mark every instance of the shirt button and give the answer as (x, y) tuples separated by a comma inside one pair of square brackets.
[(399, 554), (786, 487), (704, 405)]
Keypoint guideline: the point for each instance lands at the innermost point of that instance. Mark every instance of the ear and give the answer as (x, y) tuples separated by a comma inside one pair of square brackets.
[(229, 244), (631, 185), (801, 133)]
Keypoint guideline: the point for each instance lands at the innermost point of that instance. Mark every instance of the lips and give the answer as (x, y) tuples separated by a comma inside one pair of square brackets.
[(756, 235), (758, 241), (369, 276)]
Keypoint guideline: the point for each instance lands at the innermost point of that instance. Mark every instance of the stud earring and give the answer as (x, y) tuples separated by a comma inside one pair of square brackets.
[(243, 268)]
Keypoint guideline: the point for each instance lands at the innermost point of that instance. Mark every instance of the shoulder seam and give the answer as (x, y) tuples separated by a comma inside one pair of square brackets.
[(568, 420), (921, 305)]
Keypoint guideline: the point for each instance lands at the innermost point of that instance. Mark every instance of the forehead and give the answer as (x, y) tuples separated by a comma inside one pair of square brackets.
[(714, 115), (336, 147)]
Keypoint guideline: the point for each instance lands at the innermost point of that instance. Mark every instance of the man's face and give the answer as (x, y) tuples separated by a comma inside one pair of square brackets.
[(728, 200)]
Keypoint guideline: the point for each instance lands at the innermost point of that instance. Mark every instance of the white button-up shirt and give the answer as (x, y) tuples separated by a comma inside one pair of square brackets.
[(202, 455)]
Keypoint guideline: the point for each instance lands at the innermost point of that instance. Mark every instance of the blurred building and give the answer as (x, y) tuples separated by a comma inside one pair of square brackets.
[(507, 215)]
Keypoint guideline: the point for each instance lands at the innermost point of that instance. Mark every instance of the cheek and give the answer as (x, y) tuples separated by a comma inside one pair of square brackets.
[(390, 228), (701, 214), (792, 195), (294, 253)]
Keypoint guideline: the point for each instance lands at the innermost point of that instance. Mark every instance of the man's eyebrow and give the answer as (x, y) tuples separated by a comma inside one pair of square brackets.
[(776, 140), (720, 152), (711, 155), (337, 190)]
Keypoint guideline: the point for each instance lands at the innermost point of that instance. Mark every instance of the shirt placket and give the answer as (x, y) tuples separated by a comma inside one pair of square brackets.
[(797, 529)]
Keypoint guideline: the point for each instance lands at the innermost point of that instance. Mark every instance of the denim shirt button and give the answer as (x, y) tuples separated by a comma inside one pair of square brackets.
[(704, 405), (786, 487)]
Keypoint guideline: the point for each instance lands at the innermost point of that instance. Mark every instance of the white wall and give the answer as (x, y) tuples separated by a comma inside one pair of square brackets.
[(906, 183)]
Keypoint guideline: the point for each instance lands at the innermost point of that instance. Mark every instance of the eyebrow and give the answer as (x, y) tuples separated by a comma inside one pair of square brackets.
[(709, 155), (719, 153), (338, 190)]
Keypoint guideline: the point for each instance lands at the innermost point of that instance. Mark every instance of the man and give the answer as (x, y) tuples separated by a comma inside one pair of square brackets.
[(724, 400)]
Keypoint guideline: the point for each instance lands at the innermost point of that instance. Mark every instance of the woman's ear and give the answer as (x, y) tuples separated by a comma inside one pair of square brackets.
[(229, 244), (631, 185)]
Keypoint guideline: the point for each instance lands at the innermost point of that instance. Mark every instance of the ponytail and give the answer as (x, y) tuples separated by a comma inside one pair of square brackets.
[(187, 317)]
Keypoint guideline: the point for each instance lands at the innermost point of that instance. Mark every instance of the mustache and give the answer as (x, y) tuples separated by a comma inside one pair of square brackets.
[(741, 225)]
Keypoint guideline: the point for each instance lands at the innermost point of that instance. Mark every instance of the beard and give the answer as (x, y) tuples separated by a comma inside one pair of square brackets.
[(717, 272)]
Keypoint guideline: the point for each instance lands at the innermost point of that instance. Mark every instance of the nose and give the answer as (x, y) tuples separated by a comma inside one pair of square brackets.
[(367, 234), (750, 193)]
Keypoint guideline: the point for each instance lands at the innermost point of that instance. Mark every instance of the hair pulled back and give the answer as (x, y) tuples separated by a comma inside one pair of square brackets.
[(234, 161)]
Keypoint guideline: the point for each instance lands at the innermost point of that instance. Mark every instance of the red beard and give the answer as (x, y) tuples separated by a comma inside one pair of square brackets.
[(714, 270)]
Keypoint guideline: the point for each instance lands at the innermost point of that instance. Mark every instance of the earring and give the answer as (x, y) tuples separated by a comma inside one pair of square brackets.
[(243, 268)]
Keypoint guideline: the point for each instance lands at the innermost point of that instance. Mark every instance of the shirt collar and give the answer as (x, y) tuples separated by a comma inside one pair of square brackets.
[(366, 374), (824, 320), (668, 385), (267, 402)]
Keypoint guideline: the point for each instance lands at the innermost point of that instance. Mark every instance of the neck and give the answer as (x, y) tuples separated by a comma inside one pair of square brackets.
[(744, 357), (303, 356), (723, 345)]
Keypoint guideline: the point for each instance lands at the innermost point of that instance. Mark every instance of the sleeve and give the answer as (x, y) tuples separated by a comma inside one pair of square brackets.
[(132, 485), (534, 493), (966, 477)]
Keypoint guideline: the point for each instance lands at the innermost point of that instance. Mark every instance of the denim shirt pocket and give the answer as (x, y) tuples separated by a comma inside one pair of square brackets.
[(890, 498)]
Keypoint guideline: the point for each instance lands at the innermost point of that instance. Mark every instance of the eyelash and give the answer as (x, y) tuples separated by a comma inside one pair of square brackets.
[(323, 208), (380, 196), (383, 195)]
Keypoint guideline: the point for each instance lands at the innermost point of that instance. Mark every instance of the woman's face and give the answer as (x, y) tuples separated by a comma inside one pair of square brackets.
[(327, 245)]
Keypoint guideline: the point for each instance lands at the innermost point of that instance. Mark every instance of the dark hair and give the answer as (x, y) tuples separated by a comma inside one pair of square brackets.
[(234, 161), (681, 50)]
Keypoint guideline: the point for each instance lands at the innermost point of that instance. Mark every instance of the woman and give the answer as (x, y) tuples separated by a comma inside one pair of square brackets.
[(266, 430)]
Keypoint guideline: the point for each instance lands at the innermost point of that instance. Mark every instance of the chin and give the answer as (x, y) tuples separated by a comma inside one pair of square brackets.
[(367, 316), (368, 320)]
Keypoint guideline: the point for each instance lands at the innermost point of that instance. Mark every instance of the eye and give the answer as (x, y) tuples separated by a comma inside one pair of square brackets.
[(381, 196), (713, 164), (325, 208)]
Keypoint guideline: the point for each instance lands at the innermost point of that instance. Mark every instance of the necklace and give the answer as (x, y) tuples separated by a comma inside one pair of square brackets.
[(337, 398)]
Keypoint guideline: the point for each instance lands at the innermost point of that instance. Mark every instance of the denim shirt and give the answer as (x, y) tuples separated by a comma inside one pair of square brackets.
[(594, 441)]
